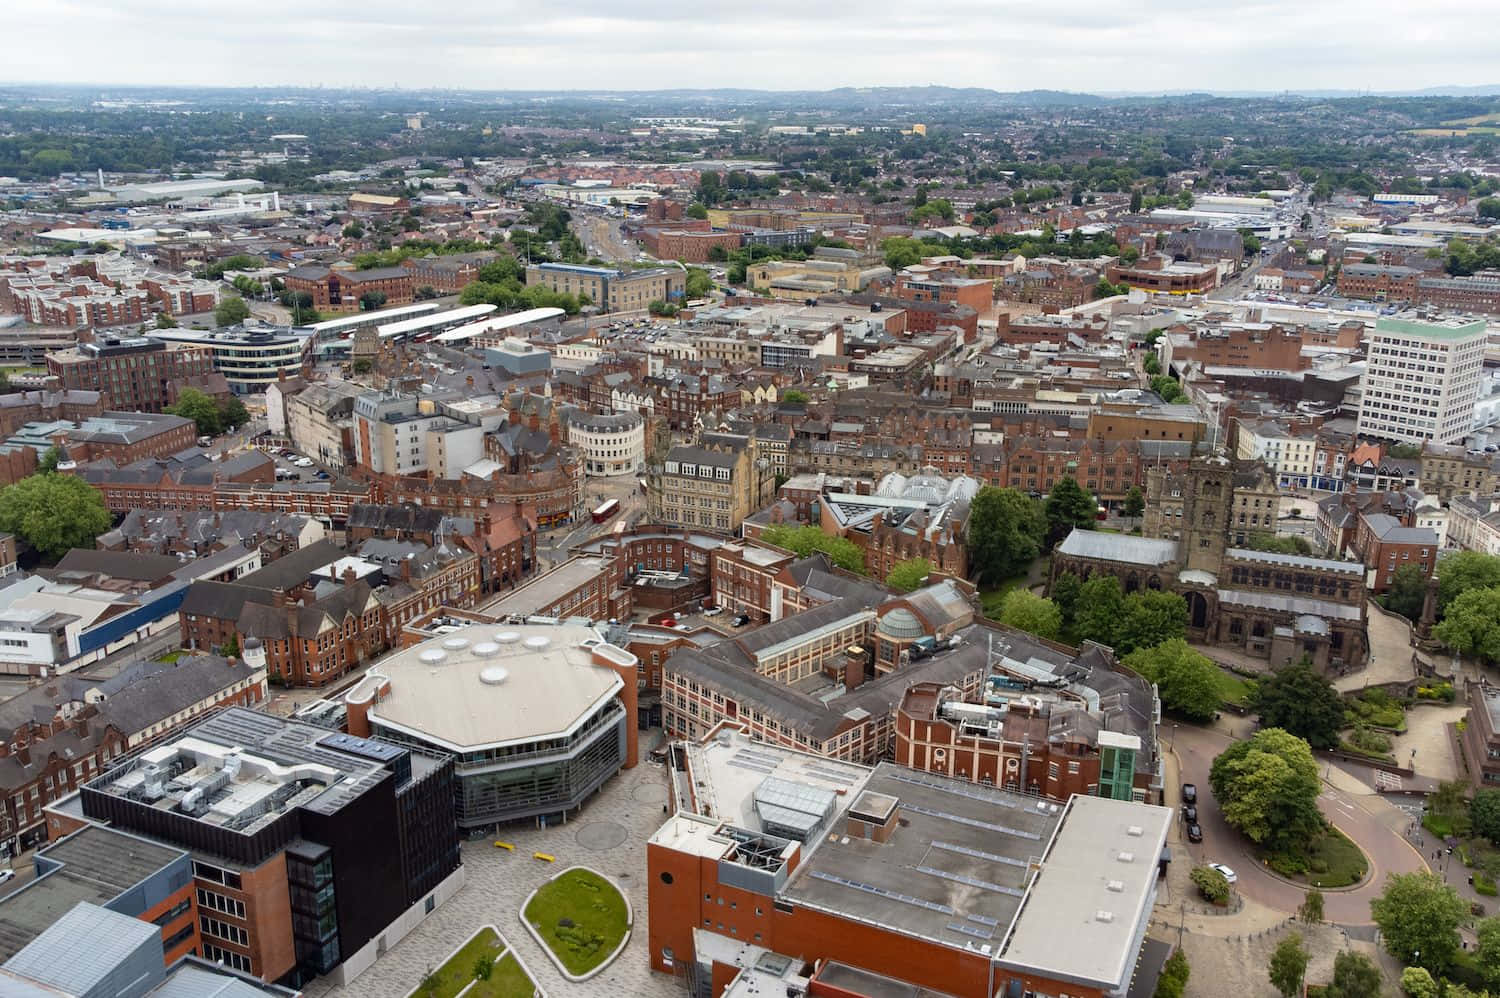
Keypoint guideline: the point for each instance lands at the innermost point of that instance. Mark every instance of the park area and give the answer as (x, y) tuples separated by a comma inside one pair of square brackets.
[(484, 967), (581, 918)]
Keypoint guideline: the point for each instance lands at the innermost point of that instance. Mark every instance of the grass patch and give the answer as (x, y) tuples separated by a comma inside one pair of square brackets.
[(170, 657), (1439, 825), (990, 599), (1484, 885), (456, 973), (507, 980), (1233, 689), (1330, 860), (582, 918)]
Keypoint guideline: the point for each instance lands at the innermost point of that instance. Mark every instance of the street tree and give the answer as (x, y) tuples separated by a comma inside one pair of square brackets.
[(233, 414), (1174, 976), (1186, 681), (53, 513), (907, 575), (1006, 529), (231, 310), (1408, 592), (1068, 506), (1135, 503), (1471, 625), (1416, 982), (1296, 698), (1267, 787), (1354, 976), (1026, 611), (1419, 915), (1289, 965), (1311, 909), (200, 408)]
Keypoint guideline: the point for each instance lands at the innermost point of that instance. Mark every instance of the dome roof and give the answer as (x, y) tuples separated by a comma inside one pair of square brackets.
[(900, 623)]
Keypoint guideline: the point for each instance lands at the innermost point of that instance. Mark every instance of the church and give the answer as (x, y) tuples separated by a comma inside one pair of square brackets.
[(1277, 607)]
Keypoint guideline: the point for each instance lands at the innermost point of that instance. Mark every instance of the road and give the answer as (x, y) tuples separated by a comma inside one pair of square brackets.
[(1368, 820), (601, 237)]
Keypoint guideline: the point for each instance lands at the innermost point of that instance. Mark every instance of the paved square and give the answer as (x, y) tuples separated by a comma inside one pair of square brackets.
[(609, 835)]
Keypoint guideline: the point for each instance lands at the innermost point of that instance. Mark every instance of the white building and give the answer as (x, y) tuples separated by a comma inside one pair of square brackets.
[(1291, 456), (611, 445), (406, 435), (1474, 524), (1422, 380)]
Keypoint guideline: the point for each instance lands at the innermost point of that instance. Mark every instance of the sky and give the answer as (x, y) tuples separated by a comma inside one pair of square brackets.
[(1078, 45)]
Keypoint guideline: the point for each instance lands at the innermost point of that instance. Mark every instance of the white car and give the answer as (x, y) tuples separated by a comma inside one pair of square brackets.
[(1223, 871), (303, 462), (7, 875)]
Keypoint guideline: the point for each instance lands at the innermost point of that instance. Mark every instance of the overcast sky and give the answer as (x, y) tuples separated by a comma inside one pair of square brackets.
[(1080, 45)]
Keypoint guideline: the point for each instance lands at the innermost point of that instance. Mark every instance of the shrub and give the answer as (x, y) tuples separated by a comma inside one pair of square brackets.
[(1211, 884), (1174, 976), (1484, 885)]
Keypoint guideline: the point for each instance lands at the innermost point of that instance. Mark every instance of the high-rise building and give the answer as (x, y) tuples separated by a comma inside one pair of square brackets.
[(1422, 380)]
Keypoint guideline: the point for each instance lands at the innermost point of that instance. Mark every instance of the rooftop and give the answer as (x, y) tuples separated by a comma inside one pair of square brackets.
[(546, 589), (488, 685), (1118, 547)]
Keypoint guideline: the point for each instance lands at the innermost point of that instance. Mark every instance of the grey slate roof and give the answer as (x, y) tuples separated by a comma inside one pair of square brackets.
[(1118, 547)]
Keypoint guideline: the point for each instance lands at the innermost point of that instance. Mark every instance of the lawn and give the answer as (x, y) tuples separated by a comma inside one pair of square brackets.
[(456, 973), (990, 599), (1233, 689), (581, 917), (1346, 865)]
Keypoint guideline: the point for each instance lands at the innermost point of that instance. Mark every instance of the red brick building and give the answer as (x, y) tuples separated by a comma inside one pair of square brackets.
[(1385, 544), (336, 290), (1378, 282), (137, 374), (972, 293)]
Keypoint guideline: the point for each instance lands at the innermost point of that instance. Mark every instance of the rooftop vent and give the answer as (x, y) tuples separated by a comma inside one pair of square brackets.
[(508, 637), (455, 644), (1127, 857), (1135, 831), (537, 642), (494, 675), (1116, 886), (433, 656), (485, 649), (1104, 916)]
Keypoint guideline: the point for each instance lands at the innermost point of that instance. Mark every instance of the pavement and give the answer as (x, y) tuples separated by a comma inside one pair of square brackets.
[(1374, 824)]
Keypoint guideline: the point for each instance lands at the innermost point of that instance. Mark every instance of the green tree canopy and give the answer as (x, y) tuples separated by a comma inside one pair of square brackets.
[(1186, 681), (1471, 625), (1416, 982), (164, 320), (1152, 616), (1484, 813), (1267, 787), (698, 284), (1354, 976), (1487, 953), (696, 210), (233, 414), (1026, 611), (794, 395), (200, 408), (1135, 502), (1069, 505), (1099, 611), (1311, 908), (907, 575), (1420, 913), (1064, 592), (1464, 570), (1288, 965), (1006, 529), (1296, 698), (53, 513), (1408, 592), (48, 461), (231, 310), (1210, 883), (1263, 541), (805, 540)]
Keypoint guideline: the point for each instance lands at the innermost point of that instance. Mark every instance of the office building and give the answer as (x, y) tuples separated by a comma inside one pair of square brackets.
[(714, 484), (536, 717), (252, 358), (613, 444), (612, 290), (138, 374), (407, 435), (313, 851), (1422, 380)]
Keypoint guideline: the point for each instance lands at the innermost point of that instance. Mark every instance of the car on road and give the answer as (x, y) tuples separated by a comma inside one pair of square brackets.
[(7, 875), (1189, 793), (1194, 833), (1223, 871)]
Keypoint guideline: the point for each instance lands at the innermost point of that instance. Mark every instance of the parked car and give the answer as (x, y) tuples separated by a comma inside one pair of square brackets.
[(1189, 793), (1190, 814), (712, 611), (303, 462), (741, 620), (1195, 834), (322, 476), (1223, 871)]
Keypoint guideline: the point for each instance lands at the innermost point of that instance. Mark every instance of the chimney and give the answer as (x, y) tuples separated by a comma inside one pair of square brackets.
[(406, 568), (348, 576), (278, 599), (854, 667), (23, 753)]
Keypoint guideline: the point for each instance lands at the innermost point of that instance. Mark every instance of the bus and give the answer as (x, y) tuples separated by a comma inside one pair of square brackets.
[(606, 511)]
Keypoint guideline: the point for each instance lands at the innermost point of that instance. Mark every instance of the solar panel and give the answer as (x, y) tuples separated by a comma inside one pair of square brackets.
[(989, 857), (972, 822), (969, 930), (882, 892), (983, 885), (983, 920), (752, 766), (973, 793)]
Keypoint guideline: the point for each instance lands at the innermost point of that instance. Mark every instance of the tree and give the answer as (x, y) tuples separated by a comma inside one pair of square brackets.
[(805, 540), (907, 575), (1174, 975), (698, 284), (1487, 954), (231, 310), (1099, 611), (1151, 365), (1152, 617), (1069, 506), (1267, 787), (1297, 699), (1026, 611), (1211, 884), (1288, 965), (1488, 208), (1064, 592), (1420, 914), (53, 513), (354, 231), (1187, 682), (1484, 813), (484, 966), (371, 300), (233, 415), (1006, 529), (1408, 592), (1416, 982), (1464, 570), (193, 404), (48, 462), (1135, 200), (795, 396), (1135, 503), (164, 320), (425, 293), (1472, 624), (363, 365), (1354, 976), (1311, 909), (1262, 540)]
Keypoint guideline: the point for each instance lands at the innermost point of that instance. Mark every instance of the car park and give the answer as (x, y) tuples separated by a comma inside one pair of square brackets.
[(303, 462)]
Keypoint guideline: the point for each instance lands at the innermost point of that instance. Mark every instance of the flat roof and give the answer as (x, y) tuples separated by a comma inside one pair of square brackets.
[(436, 319), (367, 318), (728, 770), (548, 588), (496, 324), (1096, 882), (491, 684), (954, 871)]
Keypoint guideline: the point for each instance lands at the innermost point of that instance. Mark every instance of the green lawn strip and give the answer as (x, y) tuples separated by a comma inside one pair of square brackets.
[(1330, 860), (507, 980), (1233, 689), (595, 909), (458, 970)]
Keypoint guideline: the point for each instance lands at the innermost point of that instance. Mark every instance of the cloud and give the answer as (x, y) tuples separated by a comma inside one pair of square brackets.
[(1081, 45)]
